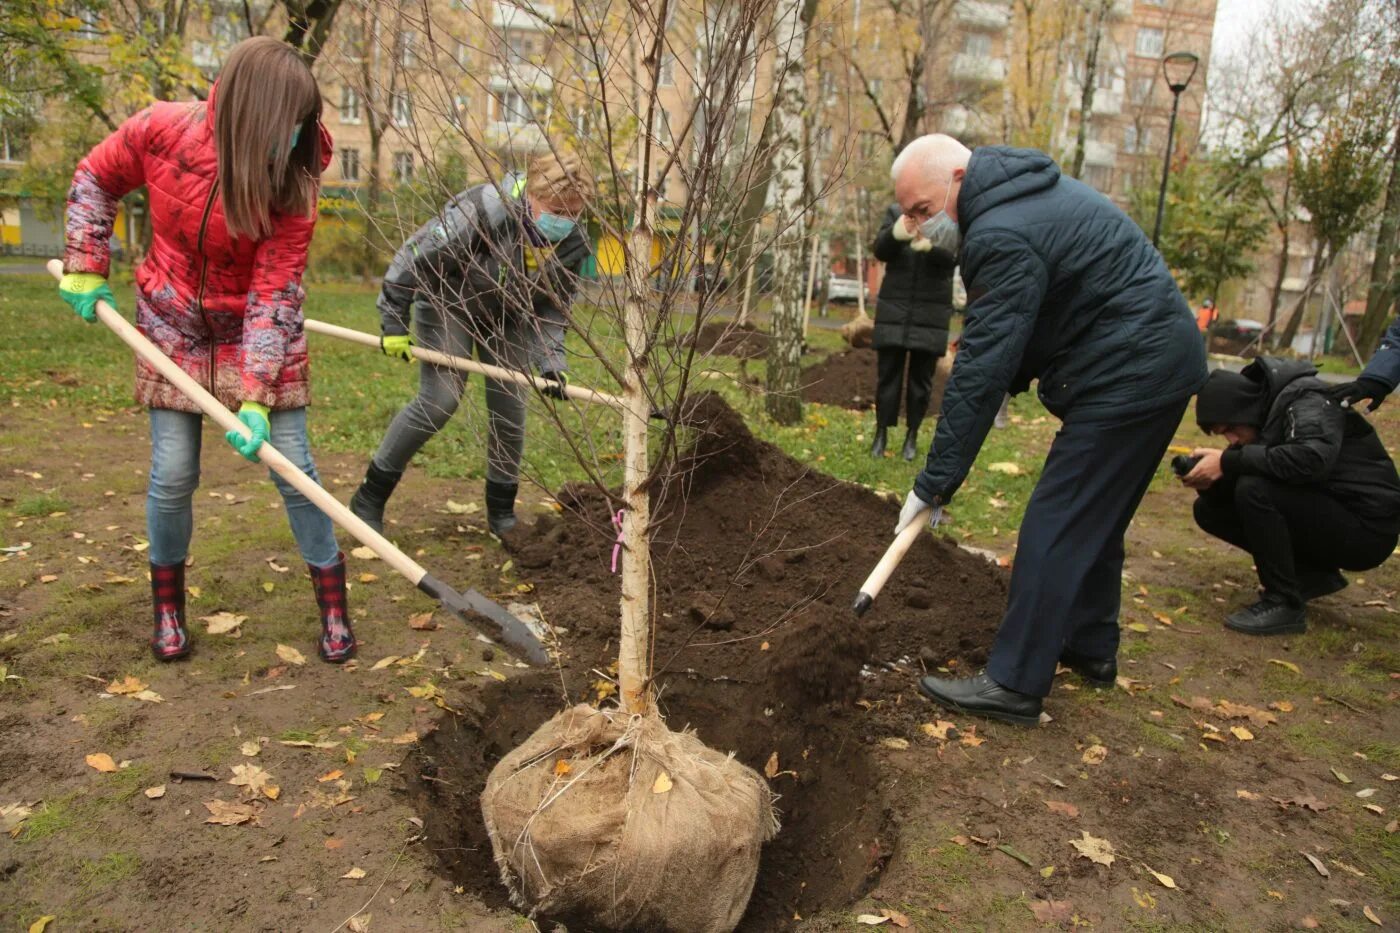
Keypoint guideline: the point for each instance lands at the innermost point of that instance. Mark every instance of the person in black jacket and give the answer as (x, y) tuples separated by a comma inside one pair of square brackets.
[(911, 322), (1064, 288), (1380, 376), (1305, 487)]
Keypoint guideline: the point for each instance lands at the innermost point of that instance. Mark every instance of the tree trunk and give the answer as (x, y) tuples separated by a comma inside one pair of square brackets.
[(635, 642), (1285, 228), (784, 399), (1320, 262), (1384, 289), (1091, 72)]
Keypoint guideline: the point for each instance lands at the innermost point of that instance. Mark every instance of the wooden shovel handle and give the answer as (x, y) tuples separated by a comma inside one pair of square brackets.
[(499, 373), (271, 457), (893, 555)]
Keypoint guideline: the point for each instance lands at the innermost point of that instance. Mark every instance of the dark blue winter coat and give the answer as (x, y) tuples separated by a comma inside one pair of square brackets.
[(1061, 287), (1385, 365)]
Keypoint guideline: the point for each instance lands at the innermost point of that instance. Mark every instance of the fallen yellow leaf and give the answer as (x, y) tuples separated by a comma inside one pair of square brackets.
[(1164, 880), (331, 775), (155, 793), (364, 553), (663, 783), (290, 655), (102, 762), (562, 767), (1241, 733), (354, 874), (1288, 665), (38, 926)]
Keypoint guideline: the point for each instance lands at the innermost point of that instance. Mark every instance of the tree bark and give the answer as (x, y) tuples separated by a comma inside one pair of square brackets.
[(1097, 14), (784, 398), (1384, 289), (1321, 260)]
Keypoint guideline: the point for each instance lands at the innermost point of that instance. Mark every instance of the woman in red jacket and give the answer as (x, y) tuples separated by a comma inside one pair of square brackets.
[(232, 186)]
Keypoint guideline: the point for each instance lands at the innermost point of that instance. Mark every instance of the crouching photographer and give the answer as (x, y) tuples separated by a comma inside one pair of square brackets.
[(1306, 487)]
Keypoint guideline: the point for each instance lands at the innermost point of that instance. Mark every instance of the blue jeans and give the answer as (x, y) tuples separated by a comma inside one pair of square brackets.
[(175, 443)]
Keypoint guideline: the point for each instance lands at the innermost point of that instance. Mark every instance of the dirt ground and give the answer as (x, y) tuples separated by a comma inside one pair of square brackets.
[(848, 378), (1214, 771)]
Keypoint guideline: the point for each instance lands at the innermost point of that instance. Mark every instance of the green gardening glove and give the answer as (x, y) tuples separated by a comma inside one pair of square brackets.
[(254, 416), (83, 290), (398, 345)]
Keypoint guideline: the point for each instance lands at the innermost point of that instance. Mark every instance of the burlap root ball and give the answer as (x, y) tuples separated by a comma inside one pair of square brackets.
[(859, 332), (612, 821)]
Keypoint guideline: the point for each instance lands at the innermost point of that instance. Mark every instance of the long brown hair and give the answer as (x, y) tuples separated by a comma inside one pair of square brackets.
[(265, 92)]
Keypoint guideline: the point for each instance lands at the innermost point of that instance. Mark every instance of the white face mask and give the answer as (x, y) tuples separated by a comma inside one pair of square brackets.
[(940, 229)]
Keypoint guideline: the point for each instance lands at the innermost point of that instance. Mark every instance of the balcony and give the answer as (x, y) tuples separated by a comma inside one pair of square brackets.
[(522, 15), (1121, 9), (975, 68), (987, 15), (953, 121), (1108, 103), (1099, 153)]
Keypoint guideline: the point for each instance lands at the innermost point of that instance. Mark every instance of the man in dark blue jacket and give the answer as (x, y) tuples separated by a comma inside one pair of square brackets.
[(1380, 376), (1063, 288)]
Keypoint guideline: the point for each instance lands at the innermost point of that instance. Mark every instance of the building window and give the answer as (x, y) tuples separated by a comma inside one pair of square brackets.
[(461, 53), (460, 104), (1099, 177), (14, 144), (666, 76), (978, 45), (512, 108), (349, 105), (1150, 42), (349, 165), (403, 109), (404, 44), (403, 167), (1130, 138), (1142, 89), (1104, 78), (522, 46), (352, 41)]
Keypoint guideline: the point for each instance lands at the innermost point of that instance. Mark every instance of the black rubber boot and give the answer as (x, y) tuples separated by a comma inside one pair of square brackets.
[(877, 449), (500, 506), (369, 500), (911, 444)]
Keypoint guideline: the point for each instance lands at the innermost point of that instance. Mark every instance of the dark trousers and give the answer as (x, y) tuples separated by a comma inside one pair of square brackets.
[(1290, 531), (891, 384), (1067, 580)]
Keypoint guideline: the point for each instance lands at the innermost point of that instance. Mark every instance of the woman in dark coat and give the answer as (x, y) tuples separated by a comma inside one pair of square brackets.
[(911, 324)]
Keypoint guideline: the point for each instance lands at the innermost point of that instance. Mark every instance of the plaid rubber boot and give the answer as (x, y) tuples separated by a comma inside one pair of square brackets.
[(169, 640), (337, 640)]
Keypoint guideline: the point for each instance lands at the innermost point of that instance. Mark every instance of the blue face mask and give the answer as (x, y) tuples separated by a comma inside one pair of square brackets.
[(553, 227), (941, 230), (296, 135)]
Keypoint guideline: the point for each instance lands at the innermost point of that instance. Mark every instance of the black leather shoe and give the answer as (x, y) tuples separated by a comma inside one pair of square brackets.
[(1269, 616), (1101, 672), (877, 449), (982, 696), (1315, 584), (911, 446)]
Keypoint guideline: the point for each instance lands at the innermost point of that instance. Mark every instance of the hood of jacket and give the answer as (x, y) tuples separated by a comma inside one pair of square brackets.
[(998, 174)]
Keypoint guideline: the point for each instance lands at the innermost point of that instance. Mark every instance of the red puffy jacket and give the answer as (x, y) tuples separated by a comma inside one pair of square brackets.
[(227, 310)]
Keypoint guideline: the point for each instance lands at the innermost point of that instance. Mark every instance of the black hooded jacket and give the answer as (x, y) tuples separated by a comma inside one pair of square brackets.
[(916, 294), (1308, 439), (1062, 287)]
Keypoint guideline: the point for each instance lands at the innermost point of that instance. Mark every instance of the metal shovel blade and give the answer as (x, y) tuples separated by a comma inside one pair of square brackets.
[(472, 607)]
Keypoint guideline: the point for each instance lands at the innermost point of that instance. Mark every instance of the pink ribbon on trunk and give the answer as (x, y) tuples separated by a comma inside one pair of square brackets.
[(617, 545)]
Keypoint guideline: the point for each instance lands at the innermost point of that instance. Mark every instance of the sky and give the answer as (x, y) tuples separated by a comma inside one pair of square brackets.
[(1235, 20)]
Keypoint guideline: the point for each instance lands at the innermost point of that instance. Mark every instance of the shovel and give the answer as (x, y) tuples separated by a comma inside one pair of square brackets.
[(499, 373), (469, 606), (885, 568)]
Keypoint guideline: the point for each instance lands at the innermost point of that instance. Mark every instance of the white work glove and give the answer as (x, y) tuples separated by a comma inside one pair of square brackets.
[(913, 506), (922, 245), (901, 230)]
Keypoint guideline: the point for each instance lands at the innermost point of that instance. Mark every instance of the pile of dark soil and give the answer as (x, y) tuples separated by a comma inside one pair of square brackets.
[(727, 338), (847, 379), (755, 568)]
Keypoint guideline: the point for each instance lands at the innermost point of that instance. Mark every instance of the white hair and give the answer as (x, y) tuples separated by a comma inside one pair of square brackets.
[(937, 153)]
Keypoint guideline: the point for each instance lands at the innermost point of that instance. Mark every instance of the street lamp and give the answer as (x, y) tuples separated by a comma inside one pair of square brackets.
[(1178, 69)]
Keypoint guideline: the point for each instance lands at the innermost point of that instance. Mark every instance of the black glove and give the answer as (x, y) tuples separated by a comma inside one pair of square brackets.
[(558, 382), (1365, 387)]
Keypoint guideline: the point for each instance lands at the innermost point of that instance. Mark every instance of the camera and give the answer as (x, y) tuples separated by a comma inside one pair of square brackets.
[(1184, 463)]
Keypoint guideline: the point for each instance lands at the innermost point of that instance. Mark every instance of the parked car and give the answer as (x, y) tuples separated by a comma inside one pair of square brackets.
[(1236, 329), (842, 288)]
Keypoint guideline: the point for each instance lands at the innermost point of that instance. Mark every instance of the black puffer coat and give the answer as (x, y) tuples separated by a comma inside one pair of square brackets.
[(1309, 439), (1062, 287), (916, 295)]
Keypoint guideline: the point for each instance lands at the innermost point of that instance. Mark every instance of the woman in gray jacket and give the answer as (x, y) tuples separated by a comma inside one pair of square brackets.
[(492, 276)]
